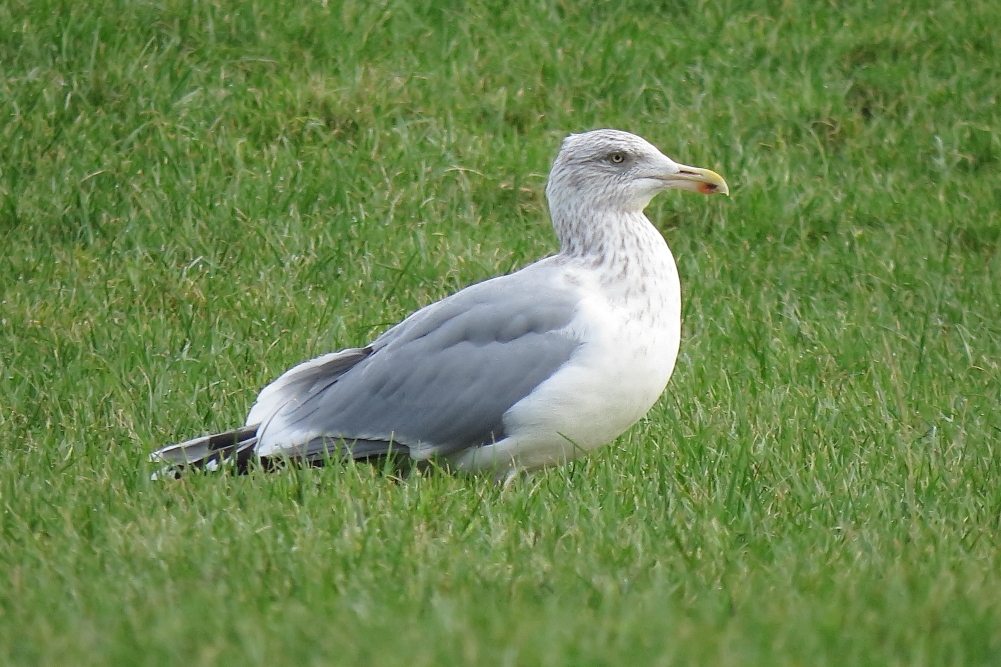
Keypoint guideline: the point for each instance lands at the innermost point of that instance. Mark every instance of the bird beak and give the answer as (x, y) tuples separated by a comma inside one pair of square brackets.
[(699, 180)]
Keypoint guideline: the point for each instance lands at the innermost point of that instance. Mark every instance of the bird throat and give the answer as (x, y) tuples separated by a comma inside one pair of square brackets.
[(629, 255)]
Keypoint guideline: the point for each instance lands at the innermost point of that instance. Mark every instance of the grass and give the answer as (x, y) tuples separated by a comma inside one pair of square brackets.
[(196, 195)]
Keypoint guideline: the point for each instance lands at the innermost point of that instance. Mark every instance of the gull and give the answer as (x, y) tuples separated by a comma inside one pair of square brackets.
[(516, 373)]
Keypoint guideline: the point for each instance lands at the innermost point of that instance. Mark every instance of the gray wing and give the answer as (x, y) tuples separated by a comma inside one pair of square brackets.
[(439, 382)]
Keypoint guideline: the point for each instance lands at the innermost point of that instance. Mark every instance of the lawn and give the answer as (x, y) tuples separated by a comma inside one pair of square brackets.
[(195, 196)]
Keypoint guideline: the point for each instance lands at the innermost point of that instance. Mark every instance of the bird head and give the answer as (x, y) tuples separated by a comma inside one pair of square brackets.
[(616, 170)]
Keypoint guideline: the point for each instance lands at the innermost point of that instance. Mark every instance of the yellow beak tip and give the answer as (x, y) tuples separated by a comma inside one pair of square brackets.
[(714, 188), (709, 182)]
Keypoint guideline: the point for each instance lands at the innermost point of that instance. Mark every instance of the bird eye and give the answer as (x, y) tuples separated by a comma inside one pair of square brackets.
[(616, 158)]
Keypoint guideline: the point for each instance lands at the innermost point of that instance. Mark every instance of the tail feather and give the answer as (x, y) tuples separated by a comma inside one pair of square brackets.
[(318, 450), (238, 448), (208, 451)]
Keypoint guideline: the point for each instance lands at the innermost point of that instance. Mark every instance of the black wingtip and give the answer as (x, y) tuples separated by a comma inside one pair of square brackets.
[(207, 452)]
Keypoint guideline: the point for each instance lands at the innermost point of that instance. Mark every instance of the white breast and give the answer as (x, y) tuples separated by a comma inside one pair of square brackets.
[(631, 334)]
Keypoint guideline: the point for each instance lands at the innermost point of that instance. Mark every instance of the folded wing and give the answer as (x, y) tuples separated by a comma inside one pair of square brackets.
[(437, 383)]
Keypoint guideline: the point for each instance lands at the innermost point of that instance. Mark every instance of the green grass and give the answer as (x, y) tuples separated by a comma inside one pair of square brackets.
[(196, 195)]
